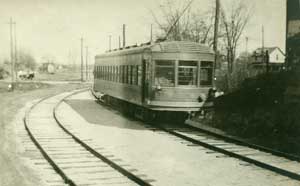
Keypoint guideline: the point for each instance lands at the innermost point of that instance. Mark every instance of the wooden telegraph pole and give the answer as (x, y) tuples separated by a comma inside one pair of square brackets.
[(81, 67), (151, 34), (16, 51), (109, 43), (86, 62), (216, 30), (11, 53)]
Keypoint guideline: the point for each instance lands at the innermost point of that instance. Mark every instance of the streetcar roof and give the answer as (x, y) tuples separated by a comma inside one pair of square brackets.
[(166, 46)]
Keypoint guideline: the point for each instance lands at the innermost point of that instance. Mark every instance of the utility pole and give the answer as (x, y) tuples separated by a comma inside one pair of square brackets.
[(215, 46), (81, 49), (16, 51), (109, 43), (247, 46), (11, 53), (263, 56), (263, 38), (151, 34), (124, 35), (86, 62)]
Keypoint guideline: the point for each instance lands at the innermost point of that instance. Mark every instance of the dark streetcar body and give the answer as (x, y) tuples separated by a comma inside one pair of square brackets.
[(148, 80)]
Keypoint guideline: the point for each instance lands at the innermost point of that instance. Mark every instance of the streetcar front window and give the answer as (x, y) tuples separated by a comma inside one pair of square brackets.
[(206, 73), (164, 73), (187, 73)]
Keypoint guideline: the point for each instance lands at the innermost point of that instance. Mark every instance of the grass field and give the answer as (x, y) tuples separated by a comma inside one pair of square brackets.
[(58, 76)]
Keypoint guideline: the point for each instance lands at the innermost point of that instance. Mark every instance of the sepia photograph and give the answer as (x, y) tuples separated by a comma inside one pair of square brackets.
[(149, 93)]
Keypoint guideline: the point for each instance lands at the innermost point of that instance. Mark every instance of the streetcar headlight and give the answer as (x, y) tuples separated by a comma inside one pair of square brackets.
[(158, 88)]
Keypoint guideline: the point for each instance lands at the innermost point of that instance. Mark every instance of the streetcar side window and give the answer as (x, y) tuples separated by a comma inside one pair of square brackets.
[(109, 73), (136, 74), (114, 74), (125, 74), (130, 74), (117, 73), (187, 73), (139, 72), (165, 73), (121, 74), (103, 72), (98, 74), (106, 73), (206, 73)]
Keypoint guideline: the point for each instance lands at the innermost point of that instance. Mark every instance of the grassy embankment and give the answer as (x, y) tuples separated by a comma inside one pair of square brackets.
[(266, 111)]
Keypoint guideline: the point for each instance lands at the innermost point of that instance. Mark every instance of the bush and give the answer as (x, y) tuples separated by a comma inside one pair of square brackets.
[(3, 72), (258, 108)]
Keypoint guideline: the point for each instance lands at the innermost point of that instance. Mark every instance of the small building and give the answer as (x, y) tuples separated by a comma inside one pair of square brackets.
[(276, 58), (47, 67)]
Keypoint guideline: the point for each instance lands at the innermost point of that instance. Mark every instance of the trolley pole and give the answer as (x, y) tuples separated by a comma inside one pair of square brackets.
[(11, 53), (81, 67), (86, 63)]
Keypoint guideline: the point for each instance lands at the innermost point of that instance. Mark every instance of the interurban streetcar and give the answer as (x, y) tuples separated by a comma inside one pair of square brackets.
[(155, 78)]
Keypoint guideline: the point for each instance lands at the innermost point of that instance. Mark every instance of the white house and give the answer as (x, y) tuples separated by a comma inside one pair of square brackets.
[(275, 54), (276, 58)]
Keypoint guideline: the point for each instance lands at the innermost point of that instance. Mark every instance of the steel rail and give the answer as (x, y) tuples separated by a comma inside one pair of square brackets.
[(117, 167), (261, 164), (244, 143), (267, 166), (56, 168)]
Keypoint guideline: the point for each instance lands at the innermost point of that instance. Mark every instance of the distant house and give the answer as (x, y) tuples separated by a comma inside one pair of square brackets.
[(276, 58), (47, 67)]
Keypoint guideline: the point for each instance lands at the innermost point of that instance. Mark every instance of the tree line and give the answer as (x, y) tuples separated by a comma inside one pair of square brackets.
[(198, 26)]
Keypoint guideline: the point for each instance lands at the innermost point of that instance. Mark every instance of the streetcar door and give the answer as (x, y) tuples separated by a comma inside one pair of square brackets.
[(145, 82)]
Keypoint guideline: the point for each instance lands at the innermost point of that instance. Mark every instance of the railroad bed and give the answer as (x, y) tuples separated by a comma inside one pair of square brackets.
[(90, 144), (166, 158), (280, 163), (72, 158)]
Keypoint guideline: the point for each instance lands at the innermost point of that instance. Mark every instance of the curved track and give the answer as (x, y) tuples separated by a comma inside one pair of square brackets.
[(71, 157), (266, 158), (278, 162)]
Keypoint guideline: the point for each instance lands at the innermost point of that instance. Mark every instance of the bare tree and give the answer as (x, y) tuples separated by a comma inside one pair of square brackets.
[(183, 22), (201, 27), (25, 61), (233, 27)]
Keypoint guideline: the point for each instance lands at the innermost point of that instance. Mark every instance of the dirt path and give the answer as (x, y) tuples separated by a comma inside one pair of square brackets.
[(12, 170)]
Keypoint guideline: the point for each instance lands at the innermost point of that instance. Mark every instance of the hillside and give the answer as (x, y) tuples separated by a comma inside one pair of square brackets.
[(266, 110)]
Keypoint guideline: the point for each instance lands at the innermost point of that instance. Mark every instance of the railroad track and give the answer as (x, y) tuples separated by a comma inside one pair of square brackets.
[(72, 158), (275, 161), (266, 158)]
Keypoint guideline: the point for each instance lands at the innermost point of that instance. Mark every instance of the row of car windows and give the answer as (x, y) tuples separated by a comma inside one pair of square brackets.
[(128, 74), (189, 73)]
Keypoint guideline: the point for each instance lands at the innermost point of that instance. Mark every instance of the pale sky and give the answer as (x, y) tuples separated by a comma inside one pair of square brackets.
[(54, 27)]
